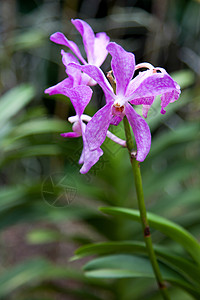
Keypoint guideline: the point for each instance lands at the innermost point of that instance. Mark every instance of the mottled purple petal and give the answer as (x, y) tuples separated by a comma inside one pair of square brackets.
[(80, 96), (97, 127), (143, 100), (152, 85), (96, 74), (169, 98), (145, 110), (100, 52), (141, 132), (88, 38), (88, 158), (60, 88), (59, 38), (123, 65), (70, 134), (116, 120), (135, 82)]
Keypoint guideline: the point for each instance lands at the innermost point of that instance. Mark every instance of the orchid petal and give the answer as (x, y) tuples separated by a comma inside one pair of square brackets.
[(169, 98), (68, 58), (59, 38), (100, 52), (123, 65), (81, 159), (88, 38), (116, 120), (141, 132), (143, 100), (74, 73), (135, 82), (97, 127), (60, 88), (80, 96), (70, 134), (96, 74), (145, 110), (151, 85), (88, 158)]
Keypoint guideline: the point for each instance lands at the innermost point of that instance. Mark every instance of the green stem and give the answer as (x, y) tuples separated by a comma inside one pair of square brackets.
[(143, 215)]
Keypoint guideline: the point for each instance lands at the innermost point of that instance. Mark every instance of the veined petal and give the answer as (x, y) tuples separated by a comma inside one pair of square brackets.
[(141, 132), (143, 100), (88, 38), (123, 65), (150, 84), (59, 38), (60, 88), (100, 52), (135, 82), (169, 98), (88, 157), (116, 120), (97, 127), (80, 96), (96, 74)]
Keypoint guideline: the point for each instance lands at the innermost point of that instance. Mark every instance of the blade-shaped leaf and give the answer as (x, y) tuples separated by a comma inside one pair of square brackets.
[(129, 266), (185, 267), (171, 229), (13, 101)]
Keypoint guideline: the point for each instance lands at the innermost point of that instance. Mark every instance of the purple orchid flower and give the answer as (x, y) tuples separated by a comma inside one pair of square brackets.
[(96, 52), (80, 97), (140, 90)]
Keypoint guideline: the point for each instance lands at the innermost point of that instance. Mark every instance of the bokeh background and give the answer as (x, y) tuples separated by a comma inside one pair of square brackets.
[(47, 209)]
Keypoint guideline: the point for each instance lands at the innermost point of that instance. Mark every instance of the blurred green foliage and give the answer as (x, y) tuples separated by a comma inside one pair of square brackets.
[(39, 235)]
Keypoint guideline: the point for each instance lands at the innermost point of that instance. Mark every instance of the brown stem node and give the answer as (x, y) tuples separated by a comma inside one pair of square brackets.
[(147, 232)]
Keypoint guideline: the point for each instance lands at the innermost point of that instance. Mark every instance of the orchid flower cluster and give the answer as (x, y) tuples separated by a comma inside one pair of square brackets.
[(121, 90)]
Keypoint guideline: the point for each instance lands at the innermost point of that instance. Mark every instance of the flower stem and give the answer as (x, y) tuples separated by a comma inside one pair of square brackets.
[(142, 209)]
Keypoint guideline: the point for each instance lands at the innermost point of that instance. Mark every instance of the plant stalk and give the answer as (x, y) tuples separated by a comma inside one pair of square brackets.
[(143, 215)]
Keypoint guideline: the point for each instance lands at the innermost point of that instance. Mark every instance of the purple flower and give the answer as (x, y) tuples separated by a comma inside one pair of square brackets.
[(140, 90), (80, 97), (96, 52)]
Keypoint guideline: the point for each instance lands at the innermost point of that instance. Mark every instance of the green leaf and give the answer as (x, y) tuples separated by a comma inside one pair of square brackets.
[(14, 100), (129, 266), (183, 266), (171, 229), (38, 127), (30, 151), (22, 274), (37, 270)]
